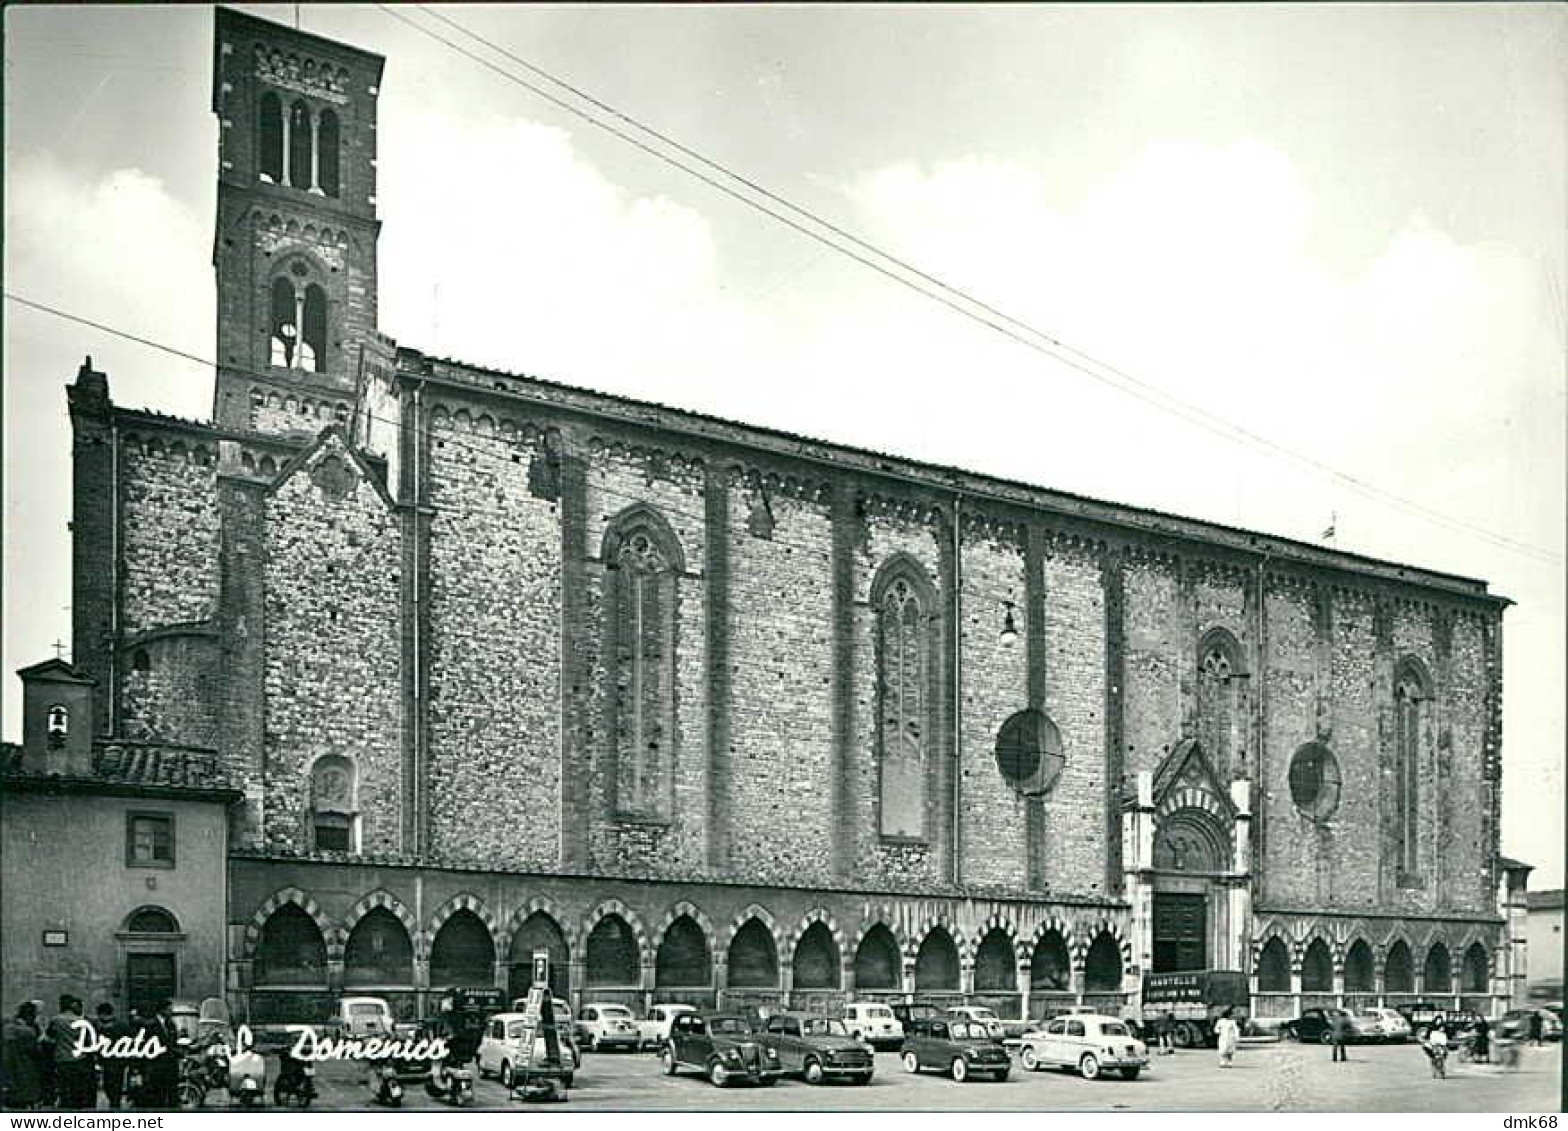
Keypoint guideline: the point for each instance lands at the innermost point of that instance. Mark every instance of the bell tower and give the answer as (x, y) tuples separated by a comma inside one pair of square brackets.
[(294, 248)]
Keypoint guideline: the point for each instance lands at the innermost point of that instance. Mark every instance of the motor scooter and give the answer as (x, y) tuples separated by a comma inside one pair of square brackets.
[(247, 1077), (384, 1086), (296, 1080), (451, 1082)]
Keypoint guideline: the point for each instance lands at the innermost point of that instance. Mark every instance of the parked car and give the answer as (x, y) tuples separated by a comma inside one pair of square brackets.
[(606, 1025), (980, 1015), (656, 1027), (722, 1046), (907, 1011), (958, 1047), (1515, 1024), (501, 1051), (1089, 1042), (1318, 1025), (874, 1023), (1383, 1025), (818, 1048), (362, 1017), (1422, 1015)]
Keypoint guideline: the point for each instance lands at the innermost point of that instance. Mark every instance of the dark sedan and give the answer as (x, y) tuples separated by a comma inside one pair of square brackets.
[(723, 1047)]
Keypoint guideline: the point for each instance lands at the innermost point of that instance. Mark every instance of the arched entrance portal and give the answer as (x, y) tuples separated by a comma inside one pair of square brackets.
[(1190, 848)]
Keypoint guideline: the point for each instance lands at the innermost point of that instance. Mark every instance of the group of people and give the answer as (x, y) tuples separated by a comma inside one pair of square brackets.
[(44, 1065)]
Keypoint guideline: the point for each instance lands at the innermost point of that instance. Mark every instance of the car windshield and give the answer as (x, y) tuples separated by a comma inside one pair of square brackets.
[(365, 1009), (515, 1030), (982, 1014), (968, 1031), (823, 1027), (619, 1012), (732, 1026), (1114, 1029), (878, 1011)]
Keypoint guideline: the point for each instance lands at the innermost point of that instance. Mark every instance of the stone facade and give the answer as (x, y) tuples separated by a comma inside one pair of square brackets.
[(577, 653)]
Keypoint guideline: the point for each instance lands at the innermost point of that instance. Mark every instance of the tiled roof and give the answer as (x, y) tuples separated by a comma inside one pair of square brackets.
[(151, 763), (1544, 900)]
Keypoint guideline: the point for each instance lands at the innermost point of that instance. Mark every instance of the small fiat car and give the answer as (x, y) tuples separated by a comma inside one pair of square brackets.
[(980, 1015), (817, 1048), (874, 1023), (958, 1047), (606, 1025), (1089, 1042), (656, 1028), (723, 1047), (502, 1053)]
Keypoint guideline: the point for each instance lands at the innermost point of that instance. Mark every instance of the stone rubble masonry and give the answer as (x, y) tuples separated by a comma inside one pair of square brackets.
[(334, 645), (169, 532), (493, 648)]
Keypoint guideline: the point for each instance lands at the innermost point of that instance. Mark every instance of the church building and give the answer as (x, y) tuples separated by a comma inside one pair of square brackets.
[(718, 714)]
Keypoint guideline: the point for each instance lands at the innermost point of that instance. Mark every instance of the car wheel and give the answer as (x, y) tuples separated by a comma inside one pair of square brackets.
[(669, 1062), (864, 1078), (506, 1074), (960, 1069), (1089, 1067), (1001, 1077), (1327, 1038), (566, 1081), (911, 1062), (1421, 1035), (1130, 1073), (190, 1097), (591, 1043), (813, 1071), (1030, 1058), (717, 1074)]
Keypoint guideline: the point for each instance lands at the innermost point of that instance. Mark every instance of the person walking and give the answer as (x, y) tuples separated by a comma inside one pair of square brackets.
[(1229, 1034), (1168, 1034), (21, 1083), (75, 1086), (162, 1073), (1535, 1027), (112, 1069), (1339, 1031), (1481, 1042)]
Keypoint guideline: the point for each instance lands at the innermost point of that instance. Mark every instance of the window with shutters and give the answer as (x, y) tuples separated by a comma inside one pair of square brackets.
[(149, 840)]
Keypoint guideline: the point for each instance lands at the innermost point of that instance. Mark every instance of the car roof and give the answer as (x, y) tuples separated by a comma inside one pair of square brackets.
[(605, 1005)]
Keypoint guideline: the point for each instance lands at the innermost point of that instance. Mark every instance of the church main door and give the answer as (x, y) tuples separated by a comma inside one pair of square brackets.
[(1180, 932)]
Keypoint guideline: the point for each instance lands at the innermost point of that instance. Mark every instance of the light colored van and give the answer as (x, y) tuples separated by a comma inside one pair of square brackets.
[(874, 1023)]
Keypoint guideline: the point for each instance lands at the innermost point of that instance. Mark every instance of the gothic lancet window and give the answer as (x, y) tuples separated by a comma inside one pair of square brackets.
[(1219, 666), (334, 807), (298, 338), (284, 338), (904, 603), (1411, 694), (313, 340), (644, 563), (270, 139)]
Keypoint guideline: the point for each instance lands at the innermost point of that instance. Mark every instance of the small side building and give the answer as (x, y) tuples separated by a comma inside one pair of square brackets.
[(113, 879), (1544, 940)]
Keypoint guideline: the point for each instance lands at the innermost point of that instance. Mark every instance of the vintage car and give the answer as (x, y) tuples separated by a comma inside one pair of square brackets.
[(1382, 1025), (606, 1025), (818, 1048), (1317, 1025), (907, 1011), (501, 1051), (655, 1027), (960, 1048), (1424, 1015), (980, 1015), (1515, 1024), (1089, 1042), (874, 1023), (722, 1046)]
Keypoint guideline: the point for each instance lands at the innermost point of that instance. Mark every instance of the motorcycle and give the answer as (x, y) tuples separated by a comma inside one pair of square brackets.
[(296, 1080), (1438, 1054), (201, 1070), (384, 1086), (451, 1082)]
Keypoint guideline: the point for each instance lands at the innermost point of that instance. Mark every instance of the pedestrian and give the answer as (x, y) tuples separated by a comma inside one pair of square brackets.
[(1535, 1027), (1481, 1042), (1229, 1035), (44, 1051), (161, 1074), (1339, 1030), (75, 1086), (21, 1083), (112, 1069)]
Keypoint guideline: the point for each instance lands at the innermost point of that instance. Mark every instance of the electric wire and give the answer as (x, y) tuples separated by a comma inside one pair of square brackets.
[(1011, 327)]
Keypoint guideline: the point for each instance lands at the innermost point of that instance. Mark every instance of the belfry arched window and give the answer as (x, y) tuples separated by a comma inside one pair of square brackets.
[(1412, 691), (299, 321), (327, 153), (269, 139), (904, 602), (643, 564), (299, 146)]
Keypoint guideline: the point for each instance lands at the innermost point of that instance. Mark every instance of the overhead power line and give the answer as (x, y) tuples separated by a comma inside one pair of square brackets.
[(150, 343), (928, 285)]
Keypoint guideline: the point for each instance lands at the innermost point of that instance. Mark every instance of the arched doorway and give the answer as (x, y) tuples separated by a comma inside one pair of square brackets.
[(1437, 975), (463, 953), (1475, 971), (753, 958), (1359, 978), (936, 963), (379, 954), (1317, 968), (877, 964), (817, 965), (1274, 967), (612, 957), (539, 931), (1398, 970), (683, 965), (1102, 966)]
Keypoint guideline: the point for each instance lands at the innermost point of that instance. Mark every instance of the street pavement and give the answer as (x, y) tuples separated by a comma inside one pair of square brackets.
[(1277, 1076)]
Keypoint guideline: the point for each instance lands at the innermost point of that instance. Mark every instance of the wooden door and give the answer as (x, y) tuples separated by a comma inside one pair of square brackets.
[(1181, 929)]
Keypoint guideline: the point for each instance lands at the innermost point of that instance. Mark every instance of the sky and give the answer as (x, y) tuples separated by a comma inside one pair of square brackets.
[(1337, 227)]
